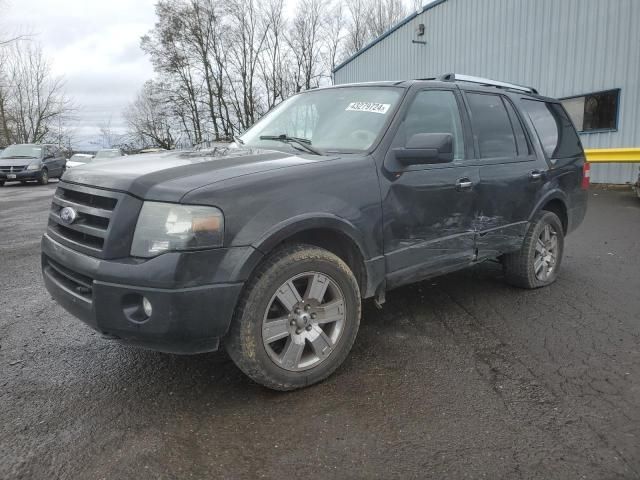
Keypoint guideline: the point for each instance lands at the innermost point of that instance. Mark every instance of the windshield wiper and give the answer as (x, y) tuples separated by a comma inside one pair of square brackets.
[(20, 156), (238, 140), (304, 143)]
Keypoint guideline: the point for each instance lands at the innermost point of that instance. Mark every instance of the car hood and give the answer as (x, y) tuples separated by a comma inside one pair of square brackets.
[(16, 162), (168, 176)]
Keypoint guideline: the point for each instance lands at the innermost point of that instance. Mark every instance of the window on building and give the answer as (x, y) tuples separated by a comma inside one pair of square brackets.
[(554, 128), (595, 111), (491, 126)]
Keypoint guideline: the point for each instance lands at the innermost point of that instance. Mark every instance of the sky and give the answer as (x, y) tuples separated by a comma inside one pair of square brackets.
[(95, 45)]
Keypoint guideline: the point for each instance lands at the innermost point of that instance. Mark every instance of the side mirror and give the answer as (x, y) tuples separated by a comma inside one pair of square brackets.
[(426, 148)]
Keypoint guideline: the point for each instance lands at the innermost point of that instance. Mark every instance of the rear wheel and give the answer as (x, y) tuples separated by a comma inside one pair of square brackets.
[(537, 263), (297, 319), (44, 177), (1, 183)]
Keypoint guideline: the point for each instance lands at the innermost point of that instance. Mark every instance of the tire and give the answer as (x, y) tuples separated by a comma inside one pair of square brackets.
[(537, 263), (44, 177), (290, 353), (1, 183)]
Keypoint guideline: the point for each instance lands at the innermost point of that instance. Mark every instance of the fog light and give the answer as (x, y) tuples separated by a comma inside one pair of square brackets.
[(146, 306)]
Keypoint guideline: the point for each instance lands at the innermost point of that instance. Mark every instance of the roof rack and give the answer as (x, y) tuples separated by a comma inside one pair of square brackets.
[(456, 77)]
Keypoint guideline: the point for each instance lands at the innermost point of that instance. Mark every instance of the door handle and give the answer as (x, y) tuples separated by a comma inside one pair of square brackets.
[(535, 175), (463, 184)]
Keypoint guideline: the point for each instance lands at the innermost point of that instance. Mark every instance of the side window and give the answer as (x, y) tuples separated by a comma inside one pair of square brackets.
[(435, 111), (554, 128), (491, 126), (518, 130)]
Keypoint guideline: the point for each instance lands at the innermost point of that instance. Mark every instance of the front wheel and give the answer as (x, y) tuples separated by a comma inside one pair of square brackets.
[(537, 263), (297, 319), (44, 177)]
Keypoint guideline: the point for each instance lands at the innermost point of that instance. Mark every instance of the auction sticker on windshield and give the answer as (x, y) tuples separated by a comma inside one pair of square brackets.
[(368, 107)]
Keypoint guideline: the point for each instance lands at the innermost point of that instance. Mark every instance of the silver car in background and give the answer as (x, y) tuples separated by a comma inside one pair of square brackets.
[(79, 159)]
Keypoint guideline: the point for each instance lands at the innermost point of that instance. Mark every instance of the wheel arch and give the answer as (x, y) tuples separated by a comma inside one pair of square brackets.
[(556, 202), (332, 233)]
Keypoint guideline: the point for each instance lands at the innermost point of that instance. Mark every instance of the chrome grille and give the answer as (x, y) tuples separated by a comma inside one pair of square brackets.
[(12, 169), (94, 209)]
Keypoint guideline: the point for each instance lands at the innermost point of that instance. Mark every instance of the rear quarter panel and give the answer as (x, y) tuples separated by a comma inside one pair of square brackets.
[(563, 175)]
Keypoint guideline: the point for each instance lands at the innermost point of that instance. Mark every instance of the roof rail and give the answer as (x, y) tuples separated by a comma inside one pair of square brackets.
[(456, 77)]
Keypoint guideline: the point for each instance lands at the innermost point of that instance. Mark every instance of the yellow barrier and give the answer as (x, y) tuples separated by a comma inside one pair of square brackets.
[(612, 155)]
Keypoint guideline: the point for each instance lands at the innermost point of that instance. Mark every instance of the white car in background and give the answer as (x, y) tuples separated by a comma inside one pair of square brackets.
[(79, 159), (106, 153)]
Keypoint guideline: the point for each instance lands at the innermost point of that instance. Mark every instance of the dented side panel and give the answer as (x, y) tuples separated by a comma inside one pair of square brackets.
[(507, 194), (428, 222)]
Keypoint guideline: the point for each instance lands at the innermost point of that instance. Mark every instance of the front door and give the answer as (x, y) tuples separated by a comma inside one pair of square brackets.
[(428, 208), (50, 161)]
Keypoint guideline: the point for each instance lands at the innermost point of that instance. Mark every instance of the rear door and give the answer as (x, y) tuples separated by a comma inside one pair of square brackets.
[(428, 209), (61, 160), (511, 176)]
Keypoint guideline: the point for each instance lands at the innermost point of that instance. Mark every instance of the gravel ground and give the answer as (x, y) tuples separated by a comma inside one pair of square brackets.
[(459, 377)]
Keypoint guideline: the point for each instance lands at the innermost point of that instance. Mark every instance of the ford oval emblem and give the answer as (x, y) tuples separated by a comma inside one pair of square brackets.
[(68, 215)]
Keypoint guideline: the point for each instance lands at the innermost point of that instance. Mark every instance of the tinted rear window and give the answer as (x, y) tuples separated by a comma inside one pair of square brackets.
[(521, 138), (554, 128), (491, 126)]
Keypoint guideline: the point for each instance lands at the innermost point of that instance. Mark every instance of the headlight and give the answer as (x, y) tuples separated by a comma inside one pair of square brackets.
[(164, 227), (33, 166)]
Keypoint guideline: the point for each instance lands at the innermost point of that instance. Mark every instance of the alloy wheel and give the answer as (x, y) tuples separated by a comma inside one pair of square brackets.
[(546, 253), (304, 321)]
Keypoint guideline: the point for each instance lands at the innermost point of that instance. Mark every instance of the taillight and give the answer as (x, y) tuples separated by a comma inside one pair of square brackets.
[(586, 175)]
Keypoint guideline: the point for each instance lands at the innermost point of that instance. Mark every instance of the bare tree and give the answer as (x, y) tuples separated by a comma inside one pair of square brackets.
[(357, 28), (150, 119), (334, 30), (383, 14), (274, 61), (221, 65), (305, 42), (6, 40), (106, 133), (33, 102), (202, 33), (246, 40), (170, 56), (5, 132)]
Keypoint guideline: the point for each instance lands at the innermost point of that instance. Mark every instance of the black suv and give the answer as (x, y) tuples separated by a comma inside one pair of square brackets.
[(267, 246), (25, 162)]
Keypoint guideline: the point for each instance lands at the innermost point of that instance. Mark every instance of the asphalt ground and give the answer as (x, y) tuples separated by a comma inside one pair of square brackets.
[(458, 377)]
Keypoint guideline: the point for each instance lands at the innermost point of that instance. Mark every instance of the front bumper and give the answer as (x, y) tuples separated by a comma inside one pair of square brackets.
[(20, 176), (186, 318)]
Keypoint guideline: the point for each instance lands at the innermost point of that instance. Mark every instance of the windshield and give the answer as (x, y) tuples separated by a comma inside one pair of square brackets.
[(334, 120), (21, 151), (108, 154), (80, 159)]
